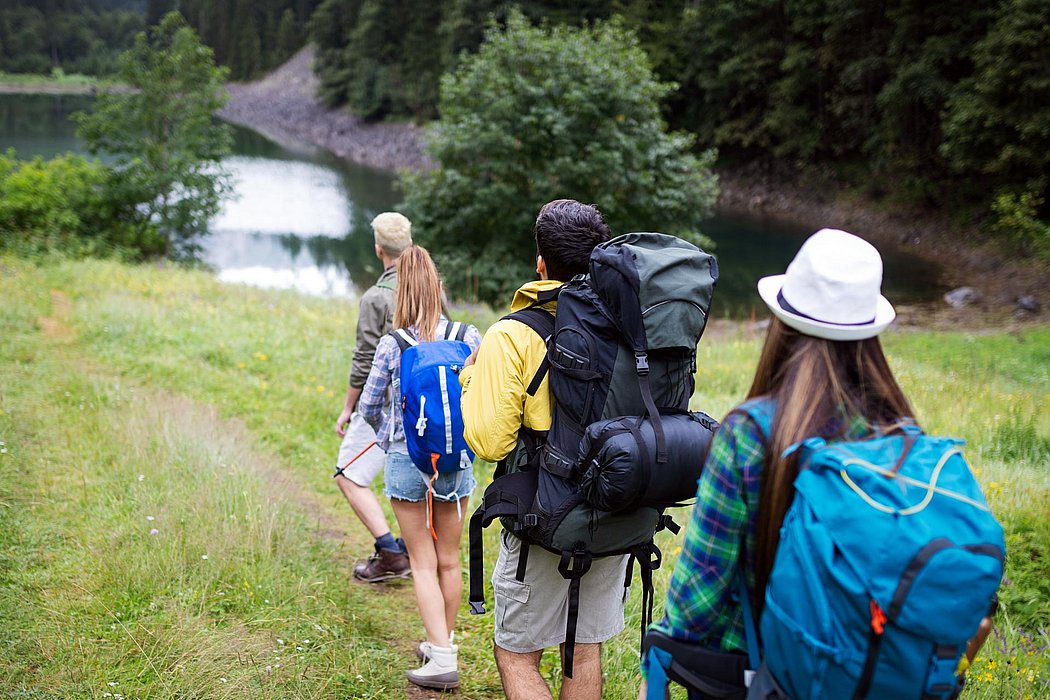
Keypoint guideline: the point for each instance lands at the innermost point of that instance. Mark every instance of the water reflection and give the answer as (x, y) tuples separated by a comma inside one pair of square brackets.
[(301, 218)]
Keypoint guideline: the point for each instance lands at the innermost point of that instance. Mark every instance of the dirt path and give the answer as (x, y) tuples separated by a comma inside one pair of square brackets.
[(166, 411)]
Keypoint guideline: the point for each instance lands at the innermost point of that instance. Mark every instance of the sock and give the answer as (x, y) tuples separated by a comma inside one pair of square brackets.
[(388, 543), (401, 545)]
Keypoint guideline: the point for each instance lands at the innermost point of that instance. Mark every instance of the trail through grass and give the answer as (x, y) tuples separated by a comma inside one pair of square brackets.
[(139, 400)]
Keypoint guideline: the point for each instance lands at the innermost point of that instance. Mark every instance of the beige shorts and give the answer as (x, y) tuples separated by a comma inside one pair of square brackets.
[(367, 467), (531, 614)]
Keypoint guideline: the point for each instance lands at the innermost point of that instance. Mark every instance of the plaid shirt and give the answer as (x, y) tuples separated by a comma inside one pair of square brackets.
[(702, 602), (384, 380)]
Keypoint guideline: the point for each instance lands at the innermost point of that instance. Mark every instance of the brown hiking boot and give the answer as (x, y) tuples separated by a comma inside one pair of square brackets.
[(383, 566)]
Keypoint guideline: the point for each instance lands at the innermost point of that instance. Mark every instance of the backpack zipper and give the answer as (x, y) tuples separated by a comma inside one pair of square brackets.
[(668, 301)]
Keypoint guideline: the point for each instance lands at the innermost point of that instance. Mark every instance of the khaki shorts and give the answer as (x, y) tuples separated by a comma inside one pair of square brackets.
[(531, 614), (365, 468)]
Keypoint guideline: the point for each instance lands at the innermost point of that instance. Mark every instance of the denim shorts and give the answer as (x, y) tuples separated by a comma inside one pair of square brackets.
[(405, 482)]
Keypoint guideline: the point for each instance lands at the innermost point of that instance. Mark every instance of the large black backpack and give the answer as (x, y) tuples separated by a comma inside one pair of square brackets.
[(621, 354)]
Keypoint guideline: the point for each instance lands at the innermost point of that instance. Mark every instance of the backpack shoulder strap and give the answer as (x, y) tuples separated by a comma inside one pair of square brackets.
[(761, 411), (455, 330), (542, 322), (386, 284), (403, 339)]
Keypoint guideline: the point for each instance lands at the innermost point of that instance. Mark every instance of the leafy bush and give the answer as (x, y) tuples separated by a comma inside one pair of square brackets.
[(167, 145), (543, 113), (64, 205), (1016, 220)]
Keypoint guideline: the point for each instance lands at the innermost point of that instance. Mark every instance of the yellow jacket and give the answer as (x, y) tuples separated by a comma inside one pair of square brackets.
[(495, 404)]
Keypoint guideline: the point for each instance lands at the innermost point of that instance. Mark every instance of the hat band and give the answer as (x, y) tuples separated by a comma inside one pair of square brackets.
[(792, 310)]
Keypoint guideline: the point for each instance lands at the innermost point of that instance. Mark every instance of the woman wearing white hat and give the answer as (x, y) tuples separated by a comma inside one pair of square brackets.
[(822, 372)]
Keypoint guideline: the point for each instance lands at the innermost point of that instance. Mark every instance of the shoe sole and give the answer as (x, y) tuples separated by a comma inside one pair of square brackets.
[(434, 684), (383, 577)]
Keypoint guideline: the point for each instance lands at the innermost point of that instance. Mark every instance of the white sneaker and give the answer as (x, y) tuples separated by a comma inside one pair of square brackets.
[(440, 672), (423, 648)]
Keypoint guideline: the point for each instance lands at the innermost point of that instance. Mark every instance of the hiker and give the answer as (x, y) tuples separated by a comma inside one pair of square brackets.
[(360, 461), (497, 408), (428, 510), (821, 374)]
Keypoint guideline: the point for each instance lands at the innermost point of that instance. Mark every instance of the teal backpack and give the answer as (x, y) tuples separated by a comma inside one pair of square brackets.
[(889, 558)]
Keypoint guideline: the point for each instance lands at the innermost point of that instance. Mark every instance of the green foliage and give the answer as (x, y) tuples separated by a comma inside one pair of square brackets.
[(162, 134), (247, 36), (998, 118), (1016, 221), (543, 113), (62, 206), (75, 36)]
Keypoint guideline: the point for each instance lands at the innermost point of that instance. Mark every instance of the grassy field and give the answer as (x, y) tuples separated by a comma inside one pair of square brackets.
[(169, 527)]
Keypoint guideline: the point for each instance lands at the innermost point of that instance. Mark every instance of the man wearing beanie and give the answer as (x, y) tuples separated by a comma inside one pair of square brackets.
[(393, 234)]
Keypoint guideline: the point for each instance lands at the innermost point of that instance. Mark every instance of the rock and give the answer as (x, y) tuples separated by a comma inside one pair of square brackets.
[(1029, 303), (962, 296)]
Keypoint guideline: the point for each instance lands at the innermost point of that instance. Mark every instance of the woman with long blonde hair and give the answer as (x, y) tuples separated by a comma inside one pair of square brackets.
[(432, 534)]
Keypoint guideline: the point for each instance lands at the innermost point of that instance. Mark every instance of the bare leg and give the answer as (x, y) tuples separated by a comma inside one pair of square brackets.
[(586, 681), (412, 519), (365, 504), (520, 674), (449, 528)]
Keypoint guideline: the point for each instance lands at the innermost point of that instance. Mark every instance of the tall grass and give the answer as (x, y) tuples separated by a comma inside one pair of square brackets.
[(129, 393)]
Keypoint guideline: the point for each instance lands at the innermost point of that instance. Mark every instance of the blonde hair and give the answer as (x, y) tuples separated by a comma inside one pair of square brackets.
[(419, 293), (814, 381), (393, 232)]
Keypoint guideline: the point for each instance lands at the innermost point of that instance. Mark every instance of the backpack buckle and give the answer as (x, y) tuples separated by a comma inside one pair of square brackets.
[(477, 607), (641, 363), (529, 520)]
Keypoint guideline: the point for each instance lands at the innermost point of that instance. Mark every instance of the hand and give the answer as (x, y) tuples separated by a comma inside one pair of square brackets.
[(343, 421), (977, 642), (471, 359)]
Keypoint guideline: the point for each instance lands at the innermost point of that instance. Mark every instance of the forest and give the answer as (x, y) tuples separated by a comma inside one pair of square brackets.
[(926, 104), (921, 105), (87, 36)]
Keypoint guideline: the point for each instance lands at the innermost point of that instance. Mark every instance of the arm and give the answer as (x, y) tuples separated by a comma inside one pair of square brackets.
[(352, 394), (371, 326), (704, 578), (494, 391), (373, 395)]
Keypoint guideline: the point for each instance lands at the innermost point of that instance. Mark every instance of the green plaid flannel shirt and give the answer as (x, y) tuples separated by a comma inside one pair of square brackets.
[(702, 602)]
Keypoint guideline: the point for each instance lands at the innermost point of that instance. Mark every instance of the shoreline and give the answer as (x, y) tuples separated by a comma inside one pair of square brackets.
[(283, 107)]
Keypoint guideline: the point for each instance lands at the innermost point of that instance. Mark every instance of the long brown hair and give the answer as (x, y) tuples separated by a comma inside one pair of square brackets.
[(816, 383), (419, 293)]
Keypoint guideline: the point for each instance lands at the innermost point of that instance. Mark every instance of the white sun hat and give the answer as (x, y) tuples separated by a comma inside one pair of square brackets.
[(831, 289)]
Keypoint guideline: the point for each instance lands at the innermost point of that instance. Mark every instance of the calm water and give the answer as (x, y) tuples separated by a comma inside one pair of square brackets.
[(300, 218)]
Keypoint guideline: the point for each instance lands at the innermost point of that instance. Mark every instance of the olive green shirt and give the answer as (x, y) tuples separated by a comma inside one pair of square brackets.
[(374, 320)]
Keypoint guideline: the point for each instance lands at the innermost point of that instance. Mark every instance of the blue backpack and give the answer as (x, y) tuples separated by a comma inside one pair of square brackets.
[(889, 558), (430, 395)]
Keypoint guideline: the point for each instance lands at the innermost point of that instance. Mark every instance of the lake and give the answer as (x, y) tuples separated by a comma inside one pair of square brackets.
[(300, 218)]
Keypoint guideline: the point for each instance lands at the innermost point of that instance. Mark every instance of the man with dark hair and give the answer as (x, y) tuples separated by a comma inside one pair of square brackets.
[(531, 613)]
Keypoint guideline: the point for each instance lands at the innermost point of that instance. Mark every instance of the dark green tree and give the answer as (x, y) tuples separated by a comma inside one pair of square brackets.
[(167, 147), (543, 113)]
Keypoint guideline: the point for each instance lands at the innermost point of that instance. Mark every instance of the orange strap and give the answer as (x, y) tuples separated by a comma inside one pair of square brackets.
[(434, 457), (355, 457), (878, 618)]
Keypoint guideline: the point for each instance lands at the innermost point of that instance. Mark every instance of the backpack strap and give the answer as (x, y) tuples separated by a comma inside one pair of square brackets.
[(403, 339), (573, 565), (509, 496), (385, 284), (455, 330), (542, 322)]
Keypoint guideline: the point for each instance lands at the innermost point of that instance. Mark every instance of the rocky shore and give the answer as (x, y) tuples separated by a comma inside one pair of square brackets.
[(283, 106)]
